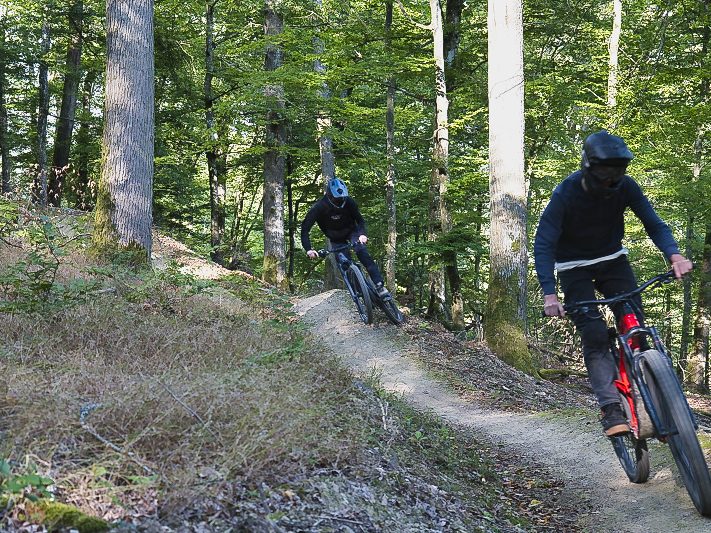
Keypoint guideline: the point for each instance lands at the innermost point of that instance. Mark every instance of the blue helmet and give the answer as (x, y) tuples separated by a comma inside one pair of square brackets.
[(336, 189)]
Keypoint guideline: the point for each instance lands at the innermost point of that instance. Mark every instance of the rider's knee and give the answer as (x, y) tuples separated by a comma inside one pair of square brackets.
[(594, 334)]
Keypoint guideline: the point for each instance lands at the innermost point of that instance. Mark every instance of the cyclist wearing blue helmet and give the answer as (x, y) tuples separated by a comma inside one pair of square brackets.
[(339, 218), (580, 237)]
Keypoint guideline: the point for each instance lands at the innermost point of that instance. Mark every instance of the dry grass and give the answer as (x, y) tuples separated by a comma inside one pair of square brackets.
[(193, 390)]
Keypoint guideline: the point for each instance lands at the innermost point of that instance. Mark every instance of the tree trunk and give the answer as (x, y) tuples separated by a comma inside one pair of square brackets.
[(86, 191), (39, 188), (325, 144), (65, 122), (274, 270), (686, 308), (697, 369), (4, 148), (614, 46), (216, 161), (506, 303), (390, 178), (123, 210)]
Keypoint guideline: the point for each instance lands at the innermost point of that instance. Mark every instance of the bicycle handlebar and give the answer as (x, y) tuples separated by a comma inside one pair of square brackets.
[(323, 252), (660, 279)]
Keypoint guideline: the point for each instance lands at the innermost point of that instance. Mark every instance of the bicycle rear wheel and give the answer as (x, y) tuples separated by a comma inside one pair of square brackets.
[(359, 292), (675, 416), (389, 307)]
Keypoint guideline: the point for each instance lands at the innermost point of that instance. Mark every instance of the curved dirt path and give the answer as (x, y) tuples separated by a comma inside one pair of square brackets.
[(573, 451)]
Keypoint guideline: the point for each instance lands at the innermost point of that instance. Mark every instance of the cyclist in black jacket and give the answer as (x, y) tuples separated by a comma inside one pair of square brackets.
[(580, 237), (338, 217)]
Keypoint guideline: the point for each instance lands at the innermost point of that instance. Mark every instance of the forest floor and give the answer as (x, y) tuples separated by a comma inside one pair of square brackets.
[(544, 426), (249, 418)]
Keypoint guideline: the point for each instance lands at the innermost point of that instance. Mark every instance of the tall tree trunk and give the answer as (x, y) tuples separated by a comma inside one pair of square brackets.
[(325, 144), (451, 39), (698, 361), (697, 368), (4, 147), (86, 191), (65, 122), (123, 210), (614, 46), (39, 189), (216, 161), (686, 283), (390, 178), (274, 270), (506, 303), (440, 151)]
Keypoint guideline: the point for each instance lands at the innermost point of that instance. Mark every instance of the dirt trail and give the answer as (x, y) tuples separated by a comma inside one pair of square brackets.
[(575, 452)]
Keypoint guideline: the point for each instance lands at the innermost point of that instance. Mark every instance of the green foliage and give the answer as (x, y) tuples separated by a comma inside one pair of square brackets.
[(29, 284), (18, 487)]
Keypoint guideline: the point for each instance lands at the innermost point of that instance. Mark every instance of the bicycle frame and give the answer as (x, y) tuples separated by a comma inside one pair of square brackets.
[(629, 335)]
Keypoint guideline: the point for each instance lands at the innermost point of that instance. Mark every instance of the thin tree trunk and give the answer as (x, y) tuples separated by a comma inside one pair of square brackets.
[(123, 210), (39, 191), (698, 364), (686, 308), (390, 178), (85, 192), (216, 162), (4, 148), (325, 144), (65, 122), (506, 303), (274, 270), (614, 46)]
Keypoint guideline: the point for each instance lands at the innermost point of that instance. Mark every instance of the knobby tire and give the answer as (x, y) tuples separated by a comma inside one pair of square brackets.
[(360, 293), (631, 451), (669, 401)]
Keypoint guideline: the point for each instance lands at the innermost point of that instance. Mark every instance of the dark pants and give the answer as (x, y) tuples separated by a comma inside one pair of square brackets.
[(609, 278), (364, 257)]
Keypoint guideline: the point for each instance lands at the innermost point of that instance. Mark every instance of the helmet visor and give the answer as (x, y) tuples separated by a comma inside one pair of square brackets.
[(606, 176)]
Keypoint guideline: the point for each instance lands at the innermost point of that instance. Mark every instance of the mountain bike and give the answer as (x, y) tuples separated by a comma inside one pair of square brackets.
[(651, 396), (361, 287)]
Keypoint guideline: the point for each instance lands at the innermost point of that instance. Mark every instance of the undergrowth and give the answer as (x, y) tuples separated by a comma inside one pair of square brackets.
[(154, 394)]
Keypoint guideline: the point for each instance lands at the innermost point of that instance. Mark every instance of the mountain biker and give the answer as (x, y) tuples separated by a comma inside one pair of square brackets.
[(580, 236), (339, 218)]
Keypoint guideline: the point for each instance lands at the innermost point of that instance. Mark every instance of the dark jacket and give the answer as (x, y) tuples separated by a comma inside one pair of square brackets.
[(577, 225), (336, 223)]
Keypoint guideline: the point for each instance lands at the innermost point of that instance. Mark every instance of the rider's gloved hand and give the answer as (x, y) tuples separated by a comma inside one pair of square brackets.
[(551, 306), (680, 265), (362, 239), (313, 254)]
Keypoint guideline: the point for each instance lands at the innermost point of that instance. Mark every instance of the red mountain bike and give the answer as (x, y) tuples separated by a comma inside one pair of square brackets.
[(651, 397)]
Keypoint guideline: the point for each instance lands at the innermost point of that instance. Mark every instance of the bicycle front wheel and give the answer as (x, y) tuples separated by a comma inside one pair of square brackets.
[(674, 414), (633, 456), (631, 451), (359, 292)]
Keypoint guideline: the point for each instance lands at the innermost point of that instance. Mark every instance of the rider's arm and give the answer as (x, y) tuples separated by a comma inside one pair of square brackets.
[(357, 217), (655, 227), (307, 224), (546, 242)]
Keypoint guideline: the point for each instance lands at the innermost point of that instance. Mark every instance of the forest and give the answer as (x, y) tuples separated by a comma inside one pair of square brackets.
[(218, 123)]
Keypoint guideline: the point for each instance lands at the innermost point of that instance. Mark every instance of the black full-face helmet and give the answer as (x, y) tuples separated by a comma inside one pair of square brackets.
[(336, 192), (604, 163)]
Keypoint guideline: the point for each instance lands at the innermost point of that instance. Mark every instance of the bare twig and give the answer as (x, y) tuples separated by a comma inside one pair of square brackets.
[(86, 411), (187, 408)]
